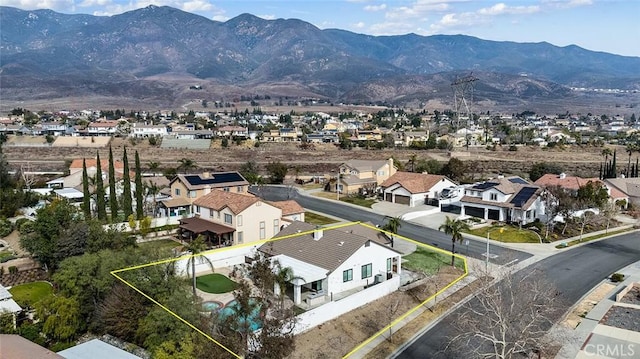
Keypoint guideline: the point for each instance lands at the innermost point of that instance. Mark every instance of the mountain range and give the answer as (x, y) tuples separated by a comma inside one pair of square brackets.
[(155, 53)]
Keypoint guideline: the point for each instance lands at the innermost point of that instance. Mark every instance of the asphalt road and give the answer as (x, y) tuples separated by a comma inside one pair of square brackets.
[(475, 248), (574, 272)]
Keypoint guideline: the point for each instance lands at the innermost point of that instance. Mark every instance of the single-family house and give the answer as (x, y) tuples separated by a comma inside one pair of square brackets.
[(573, 183), (143, 130), (232, 131), (13, 346), (186, 188), (509, 199), (291, 210), (330, 263), (54, 128), (362, 175), (102, 128), (8, 305), (228, 218), (629, 186), (414, 189)]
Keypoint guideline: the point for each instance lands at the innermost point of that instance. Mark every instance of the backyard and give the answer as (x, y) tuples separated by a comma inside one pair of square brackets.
[(215, 283), (26, 295)]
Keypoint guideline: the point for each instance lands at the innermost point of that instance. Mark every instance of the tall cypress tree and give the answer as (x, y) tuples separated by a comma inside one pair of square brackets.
[(102, 210), (126, 195), (113, 198), (139, 189), (86, 196)]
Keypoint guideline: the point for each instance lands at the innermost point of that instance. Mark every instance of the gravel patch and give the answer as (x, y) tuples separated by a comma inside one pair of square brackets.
[(623, 318), (632, 297)]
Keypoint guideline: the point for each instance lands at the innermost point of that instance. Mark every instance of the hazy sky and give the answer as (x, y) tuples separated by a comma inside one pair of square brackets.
[(600, 25)]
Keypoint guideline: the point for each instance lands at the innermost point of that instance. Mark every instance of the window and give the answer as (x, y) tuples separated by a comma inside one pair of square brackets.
[(239, 221), (240, 237), (380, 173), (226, 189), (228, 218), (262, 230), (493, 196), (347, 275), (388, 264), (366, 271), (239, 189), (211, 212), (192, 194), (177, 191), (197, 209), (276, 226)]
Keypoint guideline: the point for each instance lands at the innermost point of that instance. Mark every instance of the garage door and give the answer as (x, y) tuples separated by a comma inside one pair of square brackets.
[(403, 199), (388, 197), (494, 214), (474, 211)]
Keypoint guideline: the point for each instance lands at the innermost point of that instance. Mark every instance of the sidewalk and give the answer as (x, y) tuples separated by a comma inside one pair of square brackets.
[(593, 338)]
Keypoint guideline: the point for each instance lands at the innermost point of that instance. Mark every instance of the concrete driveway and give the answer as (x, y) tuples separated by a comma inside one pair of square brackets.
[(432, 221)]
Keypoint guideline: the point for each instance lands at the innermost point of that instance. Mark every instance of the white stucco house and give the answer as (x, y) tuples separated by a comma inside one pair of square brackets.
[(414, 189), (332, 263), (504, 199)]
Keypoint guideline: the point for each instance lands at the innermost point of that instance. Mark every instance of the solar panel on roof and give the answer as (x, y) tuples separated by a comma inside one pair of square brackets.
[(523, 196), (518, 180), (484, 185), (216, 178)]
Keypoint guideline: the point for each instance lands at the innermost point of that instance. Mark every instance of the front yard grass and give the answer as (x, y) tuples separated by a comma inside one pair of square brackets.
[(509, 234), (215, 283), (364, 202), (590, 238), (318, 219), (429, 262), (26, 295)]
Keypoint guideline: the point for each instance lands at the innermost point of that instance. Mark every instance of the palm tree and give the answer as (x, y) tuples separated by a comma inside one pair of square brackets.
[(153, 190), (153, 167), (186, 164), (412, 162), (283, 275), (196, 247), (454, 228), (392, 225)]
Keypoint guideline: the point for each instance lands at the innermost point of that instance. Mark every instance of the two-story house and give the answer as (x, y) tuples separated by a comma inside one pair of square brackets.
[(144, 130), (571, 184), (186, 188), (503, 199), (362, 175), (414, 189), (232, 131), (229, 218), (102, 128)]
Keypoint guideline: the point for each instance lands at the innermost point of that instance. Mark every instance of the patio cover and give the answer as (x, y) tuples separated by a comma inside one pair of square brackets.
[(308, 272), (198, 226), (176, 202)]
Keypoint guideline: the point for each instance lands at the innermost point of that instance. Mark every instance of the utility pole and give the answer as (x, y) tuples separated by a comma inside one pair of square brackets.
[(463, 99)]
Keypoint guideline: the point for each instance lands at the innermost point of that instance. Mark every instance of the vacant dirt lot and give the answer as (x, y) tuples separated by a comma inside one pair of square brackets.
[(320, 158)]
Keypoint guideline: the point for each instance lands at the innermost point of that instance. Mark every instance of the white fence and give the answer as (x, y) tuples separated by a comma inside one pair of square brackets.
[(155, 222), (332, 310), (224, 257)]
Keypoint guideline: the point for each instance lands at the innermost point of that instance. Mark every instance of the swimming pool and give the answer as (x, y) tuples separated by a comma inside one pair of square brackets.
[(254, 318), (211, 306)]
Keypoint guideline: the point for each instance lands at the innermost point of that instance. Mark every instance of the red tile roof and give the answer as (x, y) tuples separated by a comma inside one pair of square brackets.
[(288, 207), (219, 199)]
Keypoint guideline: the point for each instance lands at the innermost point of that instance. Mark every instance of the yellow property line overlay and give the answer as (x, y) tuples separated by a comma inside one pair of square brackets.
[(261, 242)]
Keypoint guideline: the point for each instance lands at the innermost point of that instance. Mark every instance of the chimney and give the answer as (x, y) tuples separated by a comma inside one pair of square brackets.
[(317, 234), (205, 174), (563, 175), (207, 189)]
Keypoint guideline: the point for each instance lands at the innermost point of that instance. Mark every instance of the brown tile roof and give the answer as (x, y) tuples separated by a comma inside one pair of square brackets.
[(16, 347), (413, 182), (629, 186), (566, 182), (288, 207), (330, 251), (199, 226), (219, 199), (365, 165)]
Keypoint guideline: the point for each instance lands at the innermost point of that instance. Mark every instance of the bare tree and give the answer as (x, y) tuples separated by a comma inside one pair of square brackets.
[(509, 319), (27, 175)]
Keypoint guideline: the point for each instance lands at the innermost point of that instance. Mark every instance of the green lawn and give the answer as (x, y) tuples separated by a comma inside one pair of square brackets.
[(30, 293), (428, 261), (318, 219), (215, 283), (364, 202), (509, 234), (591, 238)]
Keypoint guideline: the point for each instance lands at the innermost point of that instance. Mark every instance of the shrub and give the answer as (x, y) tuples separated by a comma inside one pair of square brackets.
[(6, 227), (513, 148), (13, 270), (20, 222), (617, 277)]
